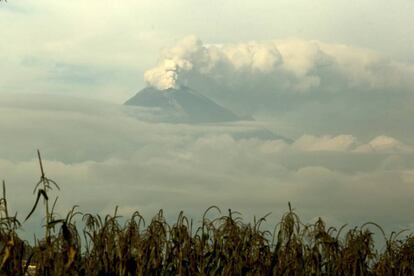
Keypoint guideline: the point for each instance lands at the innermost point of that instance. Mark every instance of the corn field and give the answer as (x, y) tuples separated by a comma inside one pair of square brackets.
[(224, 245)]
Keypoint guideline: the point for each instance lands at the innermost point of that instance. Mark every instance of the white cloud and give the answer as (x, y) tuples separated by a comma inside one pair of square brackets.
[(325, 143), (292, 64), (349, 143), (383, 144), (166, 75)]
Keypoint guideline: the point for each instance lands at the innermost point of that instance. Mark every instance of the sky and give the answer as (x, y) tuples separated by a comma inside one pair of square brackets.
[(336, 78)]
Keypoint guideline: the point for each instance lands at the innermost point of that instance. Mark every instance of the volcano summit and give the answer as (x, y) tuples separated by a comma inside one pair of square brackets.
[(182, 105)]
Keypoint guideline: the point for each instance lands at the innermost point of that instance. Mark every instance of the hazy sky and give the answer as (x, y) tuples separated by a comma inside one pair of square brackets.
[(100, 49), (336, 77)]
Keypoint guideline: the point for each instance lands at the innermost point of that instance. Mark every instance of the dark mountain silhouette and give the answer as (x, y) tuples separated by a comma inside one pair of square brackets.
[(181, 105)]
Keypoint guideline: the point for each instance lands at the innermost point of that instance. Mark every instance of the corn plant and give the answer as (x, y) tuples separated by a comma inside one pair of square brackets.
[(222, 245)]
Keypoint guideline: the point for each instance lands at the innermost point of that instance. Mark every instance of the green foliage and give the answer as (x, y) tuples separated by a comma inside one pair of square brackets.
[(221, 246)]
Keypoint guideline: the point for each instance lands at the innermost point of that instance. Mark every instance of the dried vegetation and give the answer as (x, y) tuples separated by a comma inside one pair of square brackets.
[(221, 246)]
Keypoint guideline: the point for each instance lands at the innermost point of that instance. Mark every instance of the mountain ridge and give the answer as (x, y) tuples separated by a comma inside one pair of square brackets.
[(183, 104)]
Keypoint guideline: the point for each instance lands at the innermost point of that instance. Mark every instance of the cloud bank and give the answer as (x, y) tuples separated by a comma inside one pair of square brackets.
[(291, 65), (102, 157)]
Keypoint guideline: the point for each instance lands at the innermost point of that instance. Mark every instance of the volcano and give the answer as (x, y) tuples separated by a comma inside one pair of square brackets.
[(182, 105)]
